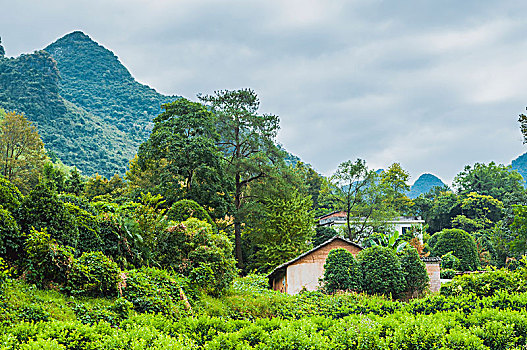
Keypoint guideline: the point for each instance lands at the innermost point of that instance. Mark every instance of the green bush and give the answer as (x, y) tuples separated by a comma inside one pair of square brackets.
[(381, 271), (485, 284), (461, 244), (89, 239), (43, 209), (48, 262), (450, 261), (10, 196), (185, 209), (10, 237), (194, 250), (341, 272), (322, 234), (414, 271), (152, 290), (448, 273), (93, 274)]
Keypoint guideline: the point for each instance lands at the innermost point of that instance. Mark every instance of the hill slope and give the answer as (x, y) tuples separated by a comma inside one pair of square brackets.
[(93, 78), (520, 165), (29, 84), (423, 184), (88, 108)]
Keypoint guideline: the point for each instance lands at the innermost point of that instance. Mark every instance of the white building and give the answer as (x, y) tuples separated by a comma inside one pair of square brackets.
[(400, 224)]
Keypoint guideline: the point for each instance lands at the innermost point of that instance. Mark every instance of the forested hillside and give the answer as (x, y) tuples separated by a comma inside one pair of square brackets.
[(88, 109), (424, 184), (93, 78), (520, 165)]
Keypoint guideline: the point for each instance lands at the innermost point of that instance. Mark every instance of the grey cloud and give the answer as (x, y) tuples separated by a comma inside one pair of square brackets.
[(433, 85)]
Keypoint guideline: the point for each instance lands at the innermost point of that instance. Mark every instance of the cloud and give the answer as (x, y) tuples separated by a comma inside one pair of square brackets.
[(434, 86)]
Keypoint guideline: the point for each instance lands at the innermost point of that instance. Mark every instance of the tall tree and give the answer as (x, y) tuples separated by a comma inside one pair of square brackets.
[(21, 150), (498, 181), (394, 185), (182, 155), (354, 183), (247, 143)]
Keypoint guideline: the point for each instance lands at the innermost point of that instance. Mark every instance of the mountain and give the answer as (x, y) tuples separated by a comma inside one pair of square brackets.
[(423, 184), (88, 108), (520, 165)]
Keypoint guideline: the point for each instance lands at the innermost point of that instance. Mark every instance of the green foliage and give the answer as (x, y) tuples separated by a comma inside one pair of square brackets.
[(155, 291), (48, 262), (448, 273), (21, 150), (181, 158), (88, 226), (445, 207), (461, 244), (393, 183), (392, 240), (497, 181), (414, 271), (185, 209), (93, 274), (341, 272), (381, 271), (479, 212), (247, 144), (119, 109), (322, 234), (43, 209), (450, 261), (282, 231), (10, 196), (10, 237), (485, 284), (519, 225), (194, 250)]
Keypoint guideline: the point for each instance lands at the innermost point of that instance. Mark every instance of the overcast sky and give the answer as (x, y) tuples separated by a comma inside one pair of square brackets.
[(433, 85)]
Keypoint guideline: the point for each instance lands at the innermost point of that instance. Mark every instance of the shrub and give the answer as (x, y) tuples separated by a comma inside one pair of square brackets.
[(10, 238), (155, 291), (381, 271), (10, 196), (93, 274), (87, 224), (185, 209), (4, 276), (461, 244), (322, 234), (448, 273), (485, 284), (194, 250), (450, 261), (341, 271), (47, 261), (42, 209), (414, 271)]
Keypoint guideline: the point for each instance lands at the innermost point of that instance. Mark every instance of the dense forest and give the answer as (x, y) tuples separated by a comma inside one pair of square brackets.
[(175, 252)]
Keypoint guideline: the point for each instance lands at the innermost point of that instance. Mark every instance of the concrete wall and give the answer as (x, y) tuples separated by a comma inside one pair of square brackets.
[(306, 272), (434, 273)]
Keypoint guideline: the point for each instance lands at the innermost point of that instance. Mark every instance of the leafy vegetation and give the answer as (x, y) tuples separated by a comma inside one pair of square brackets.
[(150, 259)]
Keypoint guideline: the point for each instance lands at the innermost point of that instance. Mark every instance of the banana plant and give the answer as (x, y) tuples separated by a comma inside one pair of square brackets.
[(390, 240)]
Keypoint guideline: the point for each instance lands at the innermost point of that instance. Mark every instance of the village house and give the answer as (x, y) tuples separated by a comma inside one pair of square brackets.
[(304, 271), (401, 224)]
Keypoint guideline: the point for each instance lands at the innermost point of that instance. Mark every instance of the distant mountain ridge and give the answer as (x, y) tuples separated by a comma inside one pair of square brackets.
[(88, 108), (520, 165), (423, 184)]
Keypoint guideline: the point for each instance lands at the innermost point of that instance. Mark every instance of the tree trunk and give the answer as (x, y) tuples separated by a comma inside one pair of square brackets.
[(237, 223)]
